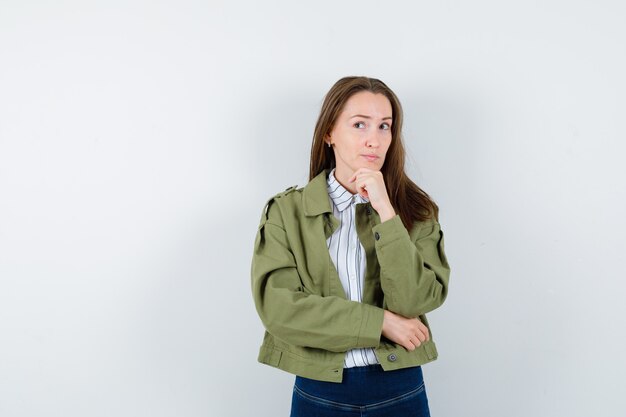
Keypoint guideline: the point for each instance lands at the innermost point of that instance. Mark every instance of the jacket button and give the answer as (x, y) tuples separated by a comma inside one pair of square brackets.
[(376, 236), (368, 210), (392, 357)]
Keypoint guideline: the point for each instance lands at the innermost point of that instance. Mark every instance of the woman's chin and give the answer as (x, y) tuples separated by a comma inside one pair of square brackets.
[(375, 165)]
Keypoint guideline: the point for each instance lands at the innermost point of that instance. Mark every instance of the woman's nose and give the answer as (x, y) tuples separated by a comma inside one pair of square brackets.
[(372, 140)]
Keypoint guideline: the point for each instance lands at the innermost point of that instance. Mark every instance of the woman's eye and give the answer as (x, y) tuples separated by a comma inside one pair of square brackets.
[(359, 125), (385, 126)]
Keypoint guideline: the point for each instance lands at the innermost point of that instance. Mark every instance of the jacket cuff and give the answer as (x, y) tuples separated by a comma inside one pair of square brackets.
[(389, 230), (371, 326)]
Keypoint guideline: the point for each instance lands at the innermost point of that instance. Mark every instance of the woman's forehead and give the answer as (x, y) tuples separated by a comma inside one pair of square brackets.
[(366, 103)]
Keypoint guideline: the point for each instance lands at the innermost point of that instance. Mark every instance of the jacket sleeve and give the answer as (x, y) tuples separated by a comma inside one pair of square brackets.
[(414, 275), (290, 312)]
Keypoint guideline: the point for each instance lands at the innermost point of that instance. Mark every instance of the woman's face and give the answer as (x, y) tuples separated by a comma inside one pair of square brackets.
[(362, 133)]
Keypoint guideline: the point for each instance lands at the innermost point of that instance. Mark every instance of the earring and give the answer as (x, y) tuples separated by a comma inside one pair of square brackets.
[(329, 144)]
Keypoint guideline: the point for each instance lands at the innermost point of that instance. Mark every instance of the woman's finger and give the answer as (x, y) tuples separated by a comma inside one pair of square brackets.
[(410, 344), (421, 336), (416, 342), (422, 327)]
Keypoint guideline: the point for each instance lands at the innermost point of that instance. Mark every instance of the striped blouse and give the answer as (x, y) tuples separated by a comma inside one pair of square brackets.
[(348, 256)]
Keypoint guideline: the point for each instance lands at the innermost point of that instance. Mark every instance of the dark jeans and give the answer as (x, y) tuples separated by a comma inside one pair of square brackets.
[(366, 391)]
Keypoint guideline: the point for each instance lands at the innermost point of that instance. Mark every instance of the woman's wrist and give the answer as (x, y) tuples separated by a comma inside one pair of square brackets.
[(386, 214)]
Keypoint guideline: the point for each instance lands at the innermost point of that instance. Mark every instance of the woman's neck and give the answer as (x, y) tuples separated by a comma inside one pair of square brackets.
[(342, 177)]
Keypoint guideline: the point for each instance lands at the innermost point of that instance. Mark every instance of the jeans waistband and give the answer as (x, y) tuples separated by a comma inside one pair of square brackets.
[(364, 384)]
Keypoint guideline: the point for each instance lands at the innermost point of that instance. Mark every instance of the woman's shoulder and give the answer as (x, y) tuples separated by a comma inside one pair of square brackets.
[(287, 200), (284, 195)]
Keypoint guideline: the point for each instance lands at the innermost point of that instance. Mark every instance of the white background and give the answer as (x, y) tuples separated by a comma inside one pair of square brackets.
[(139, 142)]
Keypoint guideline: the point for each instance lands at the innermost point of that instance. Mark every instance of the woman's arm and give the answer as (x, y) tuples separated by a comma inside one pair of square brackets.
[(292, 314), (414, 275)]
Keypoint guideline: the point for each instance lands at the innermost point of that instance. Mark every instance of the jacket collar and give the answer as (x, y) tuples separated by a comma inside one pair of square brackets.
[(315, 194)]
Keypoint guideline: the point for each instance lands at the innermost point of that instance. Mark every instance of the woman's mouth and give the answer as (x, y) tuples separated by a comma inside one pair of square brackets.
[(370, 158)]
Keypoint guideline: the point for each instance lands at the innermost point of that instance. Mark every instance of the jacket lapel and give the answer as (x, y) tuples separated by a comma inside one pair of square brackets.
[(318, 211)]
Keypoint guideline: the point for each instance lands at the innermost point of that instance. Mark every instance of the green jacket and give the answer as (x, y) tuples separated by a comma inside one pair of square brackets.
[(298, 295)]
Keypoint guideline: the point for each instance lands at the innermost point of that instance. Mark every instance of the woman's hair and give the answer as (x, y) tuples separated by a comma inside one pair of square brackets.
[(409, 201)]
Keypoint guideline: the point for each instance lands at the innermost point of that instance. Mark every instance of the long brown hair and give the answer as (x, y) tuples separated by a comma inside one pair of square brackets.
[(408, 200)]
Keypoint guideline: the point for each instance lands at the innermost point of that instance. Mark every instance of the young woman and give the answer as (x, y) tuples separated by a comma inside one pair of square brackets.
[(345, 269)]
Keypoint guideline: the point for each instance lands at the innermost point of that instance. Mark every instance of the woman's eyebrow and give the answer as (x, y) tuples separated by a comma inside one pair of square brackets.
[(368, 117)]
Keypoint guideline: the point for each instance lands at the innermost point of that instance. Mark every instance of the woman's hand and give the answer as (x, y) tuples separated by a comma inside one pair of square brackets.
[(371, 185), (409, 333)]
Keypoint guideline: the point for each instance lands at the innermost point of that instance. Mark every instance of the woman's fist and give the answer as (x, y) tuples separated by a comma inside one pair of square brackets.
[(409, 333), (371, 185)]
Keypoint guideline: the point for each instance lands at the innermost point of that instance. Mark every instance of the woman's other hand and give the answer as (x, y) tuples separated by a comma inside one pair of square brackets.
[(409, 333)]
